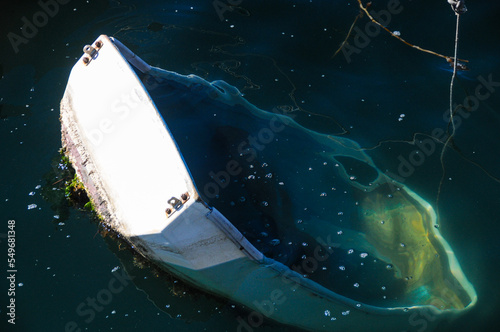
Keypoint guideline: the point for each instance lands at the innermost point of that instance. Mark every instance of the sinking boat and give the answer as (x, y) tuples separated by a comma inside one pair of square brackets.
[(346, 248)]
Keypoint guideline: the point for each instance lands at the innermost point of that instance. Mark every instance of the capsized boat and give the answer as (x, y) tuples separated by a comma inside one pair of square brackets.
[(126, 129)]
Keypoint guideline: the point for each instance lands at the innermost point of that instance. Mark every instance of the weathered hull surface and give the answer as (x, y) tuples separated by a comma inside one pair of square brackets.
[(135, 175)]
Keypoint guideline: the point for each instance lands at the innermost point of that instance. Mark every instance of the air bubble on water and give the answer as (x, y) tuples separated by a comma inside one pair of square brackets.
[(340, 232), (264, 165), (269, 175), (310, 168), (38, 186), (358, 305), (340, 213), (327, 313), (61, 224), (167, 306), (304, 244), (242, 199), (113, 312), (352, 178), (251, 177), (275, 242), (32, 193), (402, 245), (382, 222), (115, 269), (299, 221), (264, 203), (345, 313), (350, 251), (20, 284), (342, 268), (32, 206), (323, 194), (388, 266), (356, 285), (363, 255), (383, 288)]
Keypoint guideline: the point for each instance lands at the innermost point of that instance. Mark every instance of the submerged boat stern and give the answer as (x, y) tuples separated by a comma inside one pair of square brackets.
[(139, 183)]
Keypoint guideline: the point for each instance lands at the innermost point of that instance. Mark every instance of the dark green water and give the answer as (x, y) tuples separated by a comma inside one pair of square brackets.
[(276, 54)]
